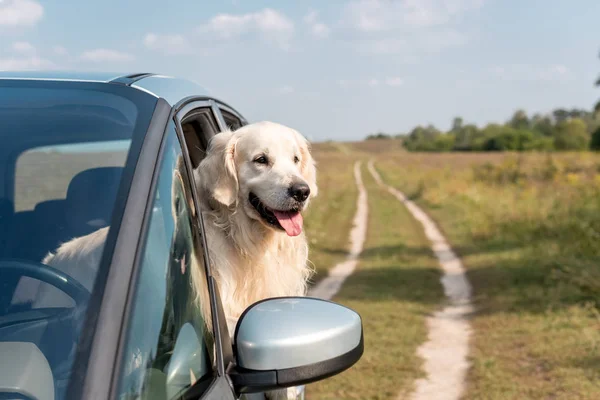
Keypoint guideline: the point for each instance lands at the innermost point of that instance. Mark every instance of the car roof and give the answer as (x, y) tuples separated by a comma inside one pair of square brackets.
[(170, 88)]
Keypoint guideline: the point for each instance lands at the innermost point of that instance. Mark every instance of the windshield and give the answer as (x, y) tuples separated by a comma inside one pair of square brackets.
[(64, 149)]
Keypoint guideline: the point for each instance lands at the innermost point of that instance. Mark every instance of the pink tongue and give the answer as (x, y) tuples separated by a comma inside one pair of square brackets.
[(290, 221)]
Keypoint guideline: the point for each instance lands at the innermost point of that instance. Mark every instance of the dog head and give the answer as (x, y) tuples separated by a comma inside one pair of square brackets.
[(264, 170)]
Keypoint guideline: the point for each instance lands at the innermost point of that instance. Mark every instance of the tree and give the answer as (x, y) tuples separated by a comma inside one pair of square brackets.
[(379, 135), (571, 135), (560, 114), (595, 142), (465, 137), (519, 120), (444, 142), (422, 139), (457, 124), (542, 124)]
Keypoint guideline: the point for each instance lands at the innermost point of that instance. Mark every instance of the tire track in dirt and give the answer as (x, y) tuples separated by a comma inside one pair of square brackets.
[(329, 286), (446, 350)]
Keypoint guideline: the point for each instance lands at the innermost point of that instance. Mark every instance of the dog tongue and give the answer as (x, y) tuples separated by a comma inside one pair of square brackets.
[(290, 221)]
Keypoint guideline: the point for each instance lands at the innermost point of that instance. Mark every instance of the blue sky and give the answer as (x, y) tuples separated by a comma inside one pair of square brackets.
[(331, 69)]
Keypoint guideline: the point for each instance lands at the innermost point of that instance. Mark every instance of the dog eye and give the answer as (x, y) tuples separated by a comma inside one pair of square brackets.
[(296, 159), (261, 160)]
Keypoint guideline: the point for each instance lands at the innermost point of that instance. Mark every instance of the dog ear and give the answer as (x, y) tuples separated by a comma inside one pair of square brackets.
[(216, 175), (308, 166)]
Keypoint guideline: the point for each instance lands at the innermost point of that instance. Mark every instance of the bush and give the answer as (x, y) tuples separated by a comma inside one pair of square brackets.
[(595, 142), (571, 135)]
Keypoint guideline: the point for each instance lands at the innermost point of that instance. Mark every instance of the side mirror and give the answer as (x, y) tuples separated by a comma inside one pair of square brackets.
[(292, 341)]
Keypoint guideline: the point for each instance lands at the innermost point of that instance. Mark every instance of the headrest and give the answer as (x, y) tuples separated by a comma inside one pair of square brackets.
[(50, 207), (91, 197)]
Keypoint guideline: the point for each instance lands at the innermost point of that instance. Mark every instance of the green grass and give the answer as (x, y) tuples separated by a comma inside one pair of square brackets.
[(328, 220), (394, 287), (528, 230)]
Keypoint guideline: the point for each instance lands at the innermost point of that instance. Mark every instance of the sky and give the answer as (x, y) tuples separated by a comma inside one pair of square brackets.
[(334, 70)]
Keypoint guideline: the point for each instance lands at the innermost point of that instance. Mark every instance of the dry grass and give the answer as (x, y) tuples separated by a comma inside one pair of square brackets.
[(395, 285), (528, 229), (329, 217)]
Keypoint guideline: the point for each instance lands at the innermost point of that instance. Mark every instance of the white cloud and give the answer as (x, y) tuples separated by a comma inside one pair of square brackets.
[(15, 13), (410, 44), (311, 17), (527, 72), (406, 27), (317, 29), (23, 47), (106, 55), (167, 44), (60, 51), (25, 63), (320, 30), (394, 81), (385, 15), (270, 25)]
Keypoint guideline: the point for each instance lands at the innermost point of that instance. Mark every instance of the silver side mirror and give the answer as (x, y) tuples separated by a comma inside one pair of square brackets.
[(291, 341)]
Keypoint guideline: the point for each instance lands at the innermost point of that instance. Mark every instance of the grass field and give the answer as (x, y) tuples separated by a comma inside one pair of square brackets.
[(528, 229), (329, 217), (394, 287)]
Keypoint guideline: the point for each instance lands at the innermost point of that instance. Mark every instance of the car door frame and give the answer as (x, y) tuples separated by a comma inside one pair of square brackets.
[(223, 347)]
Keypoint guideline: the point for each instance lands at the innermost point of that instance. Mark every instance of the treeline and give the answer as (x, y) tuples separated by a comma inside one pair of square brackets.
[(562, 129)]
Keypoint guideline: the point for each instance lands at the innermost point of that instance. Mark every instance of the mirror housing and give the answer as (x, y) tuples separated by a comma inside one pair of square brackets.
[(291, 341)]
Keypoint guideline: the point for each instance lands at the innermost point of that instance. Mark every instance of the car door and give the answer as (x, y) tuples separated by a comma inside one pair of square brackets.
[(169, 352)]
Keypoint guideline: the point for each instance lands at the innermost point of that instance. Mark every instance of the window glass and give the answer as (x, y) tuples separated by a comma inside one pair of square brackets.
[(44, 173), (64, 149), (168, 347)]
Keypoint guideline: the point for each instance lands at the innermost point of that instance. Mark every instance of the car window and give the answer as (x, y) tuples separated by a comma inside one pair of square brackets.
[(198, 127), (168, 346), (44, 173), (231, 121)]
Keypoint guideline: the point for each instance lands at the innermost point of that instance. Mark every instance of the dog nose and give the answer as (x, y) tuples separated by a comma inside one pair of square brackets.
[(299, 191)]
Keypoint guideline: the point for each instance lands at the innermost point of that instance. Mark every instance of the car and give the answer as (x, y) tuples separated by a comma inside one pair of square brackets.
[(83, 153)]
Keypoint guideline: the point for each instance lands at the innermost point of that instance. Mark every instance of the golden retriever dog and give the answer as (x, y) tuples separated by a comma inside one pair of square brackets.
[(254, 184)]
